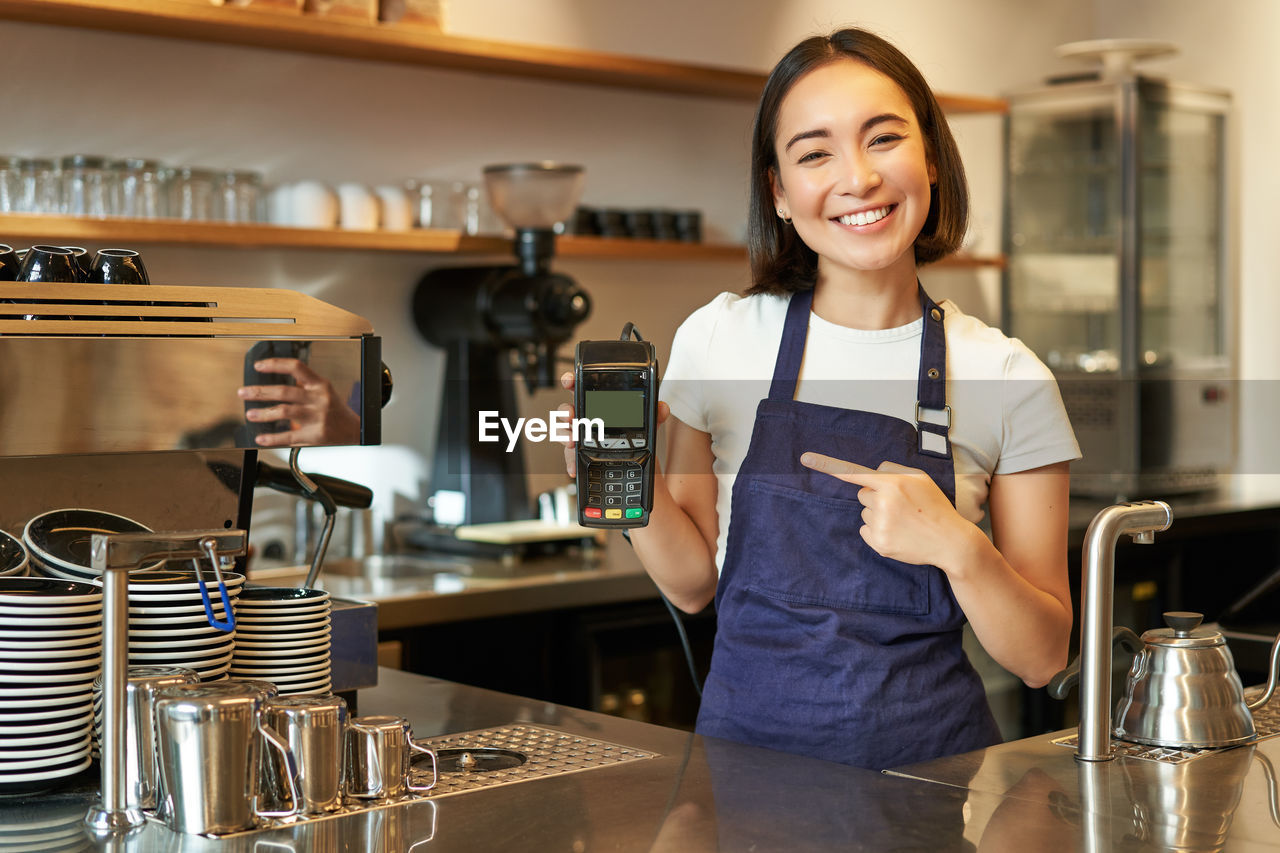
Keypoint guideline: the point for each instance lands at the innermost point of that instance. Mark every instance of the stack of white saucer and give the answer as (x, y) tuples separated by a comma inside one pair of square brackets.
[(168, 624), (282, 636), (50, 638)]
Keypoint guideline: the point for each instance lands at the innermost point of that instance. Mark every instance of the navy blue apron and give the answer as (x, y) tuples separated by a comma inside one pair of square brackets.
[(823, 647)]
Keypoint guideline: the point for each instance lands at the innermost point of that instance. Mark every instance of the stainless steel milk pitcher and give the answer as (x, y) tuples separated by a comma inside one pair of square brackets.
[(208, 737), (142, 775), (379, 754), (314, 727)]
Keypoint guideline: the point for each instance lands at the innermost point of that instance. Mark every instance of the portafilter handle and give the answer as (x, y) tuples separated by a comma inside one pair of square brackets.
[(114, 556)]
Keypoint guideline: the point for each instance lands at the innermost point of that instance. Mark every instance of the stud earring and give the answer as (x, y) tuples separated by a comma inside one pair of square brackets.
[(782, 214)]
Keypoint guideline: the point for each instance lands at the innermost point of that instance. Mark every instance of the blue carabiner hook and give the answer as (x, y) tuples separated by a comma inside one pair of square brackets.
[(210, 550)]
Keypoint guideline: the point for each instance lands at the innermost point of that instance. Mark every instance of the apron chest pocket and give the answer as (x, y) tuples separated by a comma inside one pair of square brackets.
[(810, 552)]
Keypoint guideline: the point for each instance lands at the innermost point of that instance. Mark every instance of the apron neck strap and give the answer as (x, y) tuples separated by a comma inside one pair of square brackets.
[(933, 415), (786, 369), (931, 385)]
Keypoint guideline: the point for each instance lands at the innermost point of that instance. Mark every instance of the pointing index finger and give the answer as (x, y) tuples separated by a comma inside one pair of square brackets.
[(850, 472)]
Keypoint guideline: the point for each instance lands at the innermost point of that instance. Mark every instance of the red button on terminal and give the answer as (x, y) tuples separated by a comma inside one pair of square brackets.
[(591, 512)]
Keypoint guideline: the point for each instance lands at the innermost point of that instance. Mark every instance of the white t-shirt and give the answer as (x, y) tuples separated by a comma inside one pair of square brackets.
[(1006, 411)]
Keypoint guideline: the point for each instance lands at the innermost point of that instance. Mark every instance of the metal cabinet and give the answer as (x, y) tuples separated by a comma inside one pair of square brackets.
[(1115, 233)]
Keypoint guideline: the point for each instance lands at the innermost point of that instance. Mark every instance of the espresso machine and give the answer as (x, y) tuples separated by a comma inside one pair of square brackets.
[(125, 399), (498, 325)]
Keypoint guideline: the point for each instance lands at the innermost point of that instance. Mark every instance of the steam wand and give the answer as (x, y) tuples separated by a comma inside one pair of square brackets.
[(317, 493)]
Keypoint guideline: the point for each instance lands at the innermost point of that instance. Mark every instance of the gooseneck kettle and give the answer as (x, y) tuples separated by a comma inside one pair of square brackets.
[(1182, 690)]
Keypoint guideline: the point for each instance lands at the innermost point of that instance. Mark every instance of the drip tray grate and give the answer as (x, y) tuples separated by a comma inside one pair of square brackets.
[(546, 753), (1266, 722)]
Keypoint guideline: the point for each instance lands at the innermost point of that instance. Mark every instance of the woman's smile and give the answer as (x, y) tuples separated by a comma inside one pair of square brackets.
[(863, 219)]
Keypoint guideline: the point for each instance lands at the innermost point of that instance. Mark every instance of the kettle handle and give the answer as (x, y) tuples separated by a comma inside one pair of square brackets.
[(1060, 685), (1272, 675)]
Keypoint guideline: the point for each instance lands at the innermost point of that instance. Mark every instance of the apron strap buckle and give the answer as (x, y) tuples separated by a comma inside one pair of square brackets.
[(944, 412), (934, 431)]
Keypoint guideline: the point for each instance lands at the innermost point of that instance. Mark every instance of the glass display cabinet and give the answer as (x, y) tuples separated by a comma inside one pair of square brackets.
[(1116, 278)]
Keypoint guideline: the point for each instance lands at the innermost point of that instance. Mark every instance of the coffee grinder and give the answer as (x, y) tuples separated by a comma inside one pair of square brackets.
[(498, 324)]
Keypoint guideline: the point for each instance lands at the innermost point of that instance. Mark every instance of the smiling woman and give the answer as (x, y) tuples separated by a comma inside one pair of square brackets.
[(838, 532)]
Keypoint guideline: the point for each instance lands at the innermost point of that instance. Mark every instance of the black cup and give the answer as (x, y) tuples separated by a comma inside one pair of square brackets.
[(117, 266), (664, 225), (82, 261), (584, 221), (611, 223), (640, 224), (49, 264), (689, 225), (10, 263)]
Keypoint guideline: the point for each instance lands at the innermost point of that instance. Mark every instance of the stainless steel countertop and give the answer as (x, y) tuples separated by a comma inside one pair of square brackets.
[(1046, 800), (433, 589), (704, 794)]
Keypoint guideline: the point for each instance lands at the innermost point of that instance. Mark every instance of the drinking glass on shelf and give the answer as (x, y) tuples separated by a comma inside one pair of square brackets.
[(10, 182), (140, 189), (38, 187), (238, 195), (86, 186), (468, 210), (191, 193), (463, 210)]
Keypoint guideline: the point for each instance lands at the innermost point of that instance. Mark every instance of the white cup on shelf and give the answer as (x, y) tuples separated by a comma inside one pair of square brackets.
[(358, 208), (280, 205), (314, 205), (397, 211)]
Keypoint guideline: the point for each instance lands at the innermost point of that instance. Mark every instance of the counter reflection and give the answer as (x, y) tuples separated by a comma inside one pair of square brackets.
[(751, 808), (1138, 805)]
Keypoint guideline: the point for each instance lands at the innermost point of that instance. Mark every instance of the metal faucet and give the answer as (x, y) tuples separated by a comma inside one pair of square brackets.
[(114, 556), (1140, 520)]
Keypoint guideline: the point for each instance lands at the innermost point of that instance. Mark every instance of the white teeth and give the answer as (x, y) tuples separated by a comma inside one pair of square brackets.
[(866, 217)]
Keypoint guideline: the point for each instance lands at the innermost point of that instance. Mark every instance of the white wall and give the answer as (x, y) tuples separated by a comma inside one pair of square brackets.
[(294, 115)]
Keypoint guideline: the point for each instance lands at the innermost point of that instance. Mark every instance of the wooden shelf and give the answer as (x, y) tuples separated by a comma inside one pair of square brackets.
[(65, 230), (417, 45), (172, 232)]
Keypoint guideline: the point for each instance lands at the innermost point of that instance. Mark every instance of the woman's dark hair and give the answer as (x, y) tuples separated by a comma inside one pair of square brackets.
[(780, 261)]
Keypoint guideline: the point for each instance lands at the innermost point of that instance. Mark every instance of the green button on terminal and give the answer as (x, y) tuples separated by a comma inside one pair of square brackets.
[(635, 512)]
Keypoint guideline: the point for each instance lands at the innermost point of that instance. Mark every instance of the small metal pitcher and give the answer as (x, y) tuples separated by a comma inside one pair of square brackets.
[(378, 758)]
